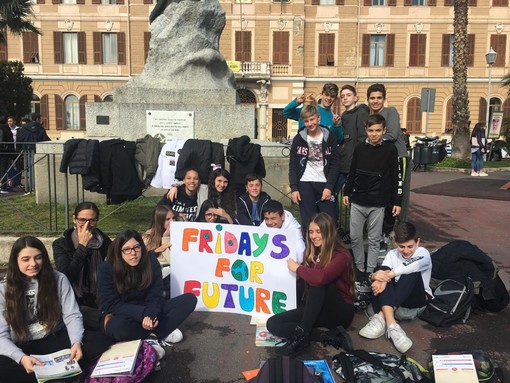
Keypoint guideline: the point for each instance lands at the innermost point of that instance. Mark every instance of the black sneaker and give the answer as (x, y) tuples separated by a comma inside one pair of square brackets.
[(338, 338), (383, 247)]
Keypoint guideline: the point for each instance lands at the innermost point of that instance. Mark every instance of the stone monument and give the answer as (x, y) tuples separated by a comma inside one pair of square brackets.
[(186, 89)]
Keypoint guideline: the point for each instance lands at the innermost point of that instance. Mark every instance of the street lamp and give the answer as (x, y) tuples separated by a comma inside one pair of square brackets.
[(490, 57)]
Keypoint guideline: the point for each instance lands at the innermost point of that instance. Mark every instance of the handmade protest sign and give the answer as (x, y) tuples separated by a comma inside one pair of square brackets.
[(233, 268)]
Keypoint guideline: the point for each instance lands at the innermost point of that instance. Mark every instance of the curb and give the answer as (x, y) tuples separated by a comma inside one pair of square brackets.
[(465, 170)]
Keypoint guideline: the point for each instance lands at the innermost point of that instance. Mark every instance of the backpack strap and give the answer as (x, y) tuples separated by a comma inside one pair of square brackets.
[(367, 357), (347, 369)]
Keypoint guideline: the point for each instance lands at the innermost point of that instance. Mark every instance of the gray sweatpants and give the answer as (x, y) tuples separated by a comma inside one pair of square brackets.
[(374, 217)]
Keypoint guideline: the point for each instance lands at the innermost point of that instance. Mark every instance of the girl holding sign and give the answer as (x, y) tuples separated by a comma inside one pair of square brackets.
[(329, 274), (39, 315), (131, 295)]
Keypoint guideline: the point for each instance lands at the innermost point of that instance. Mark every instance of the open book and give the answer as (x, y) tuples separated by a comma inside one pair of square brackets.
[(263, 338), (56, 366), (118, 360)]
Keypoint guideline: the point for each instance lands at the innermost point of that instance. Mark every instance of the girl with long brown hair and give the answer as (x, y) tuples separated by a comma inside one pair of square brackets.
[(131, 295), (329, 276), (39, 314)]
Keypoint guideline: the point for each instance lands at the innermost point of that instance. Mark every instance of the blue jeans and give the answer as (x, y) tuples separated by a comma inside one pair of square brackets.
[(477, 160)]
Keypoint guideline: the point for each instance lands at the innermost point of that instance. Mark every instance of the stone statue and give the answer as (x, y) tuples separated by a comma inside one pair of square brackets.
[(184, 47)]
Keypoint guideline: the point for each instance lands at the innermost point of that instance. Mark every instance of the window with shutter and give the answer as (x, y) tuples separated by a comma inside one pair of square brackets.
[(413, 123), (482, 109), (449, 116), (58, 57), (390, 49), (110, 53), (281, 48), (243, 46), (97, 43), (59, 112), (45, 111), (365, 50), (446, 50), (97, 98), (498, 43), (340, 2), (472, 3), (431, 3), (377, 47), (392, 3), (82, 48), (448, 3), (83, 120), (326, 49), (121, 48), (3, 50), (40, 1), (417, 50), (471, 50), (146, 44), (500, 3), (30, 47), (72, 113)]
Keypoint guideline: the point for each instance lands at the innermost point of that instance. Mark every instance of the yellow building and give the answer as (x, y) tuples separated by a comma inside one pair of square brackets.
[(89, 47)]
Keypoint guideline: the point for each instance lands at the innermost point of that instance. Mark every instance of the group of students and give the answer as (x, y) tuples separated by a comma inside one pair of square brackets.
[(101, 292)]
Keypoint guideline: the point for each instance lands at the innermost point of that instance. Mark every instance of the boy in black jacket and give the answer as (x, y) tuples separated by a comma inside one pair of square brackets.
[(313, 167), (371, 185), (250, 204)]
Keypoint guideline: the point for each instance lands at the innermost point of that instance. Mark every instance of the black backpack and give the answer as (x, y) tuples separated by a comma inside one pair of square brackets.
[(362, 366), (452, 303), (284, 369)]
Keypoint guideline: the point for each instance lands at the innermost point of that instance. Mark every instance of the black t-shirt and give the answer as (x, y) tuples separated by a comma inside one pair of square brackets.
[(183, 203)]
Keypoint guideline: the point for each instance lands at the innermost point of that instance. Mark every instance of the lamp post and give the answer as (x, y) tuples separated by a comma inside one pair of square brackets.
[(490, 57)]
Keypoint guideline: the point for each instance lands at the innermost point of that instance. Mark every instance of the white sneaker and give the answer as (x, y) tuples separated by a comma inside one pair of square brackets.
[(174, 337), (375, 328), (153, 341), (474, 174), (399, 338), (481, 173)]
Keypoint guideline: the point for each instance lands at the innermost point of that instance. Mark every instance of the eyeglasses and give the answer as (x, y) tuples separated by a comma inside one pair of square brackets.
[(210, 215), (93, 221), (130, 250)]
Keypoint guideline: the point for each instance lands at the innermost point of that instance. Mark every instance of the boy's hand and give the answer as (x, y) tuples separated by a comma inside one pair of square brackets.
[(378, 287), (300, 99), (296, 197), (326, 194), (336, 119), (395, 211), (345, 200)]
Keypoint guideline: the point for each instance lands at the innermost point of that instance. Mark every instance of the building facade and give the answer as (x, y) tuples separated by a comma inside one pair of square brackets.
[(280, 49)]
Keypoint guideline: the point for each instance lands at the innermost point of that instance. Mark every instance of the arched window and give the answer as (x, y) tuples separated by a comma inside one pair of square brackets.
[(72, 113), (108, 98), (413, 124), (494, 107), (506, 108), (246, 97)]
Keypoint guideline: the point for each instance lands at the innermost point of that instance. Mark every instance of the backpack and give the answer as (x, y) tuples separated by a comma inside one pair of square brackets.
[(362, 366), (451, 304), (284, 369), (145, 362)]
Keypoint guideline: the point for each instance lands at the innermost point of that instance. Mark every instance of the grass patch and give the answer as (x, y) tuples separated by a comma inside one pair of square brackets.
[(449, 162), (21, 215)]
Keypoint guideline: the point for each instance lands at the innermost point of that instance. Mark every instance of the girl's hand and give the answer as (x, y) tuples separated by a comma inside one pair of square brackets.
[(76, 352), (172, 194), (292, 265), (28, 362), (149, 324), (345, 200), (163, 247), (84, 234)]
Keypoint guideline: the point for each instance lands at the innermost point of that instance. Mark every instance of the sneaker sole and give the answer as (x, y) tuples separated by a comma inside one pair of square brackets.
[(370, 336)]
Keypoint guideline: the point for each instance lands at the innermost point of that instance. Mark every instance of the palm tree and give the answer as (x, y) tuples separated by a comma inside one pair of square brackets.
[(15, 17), (461, 146)]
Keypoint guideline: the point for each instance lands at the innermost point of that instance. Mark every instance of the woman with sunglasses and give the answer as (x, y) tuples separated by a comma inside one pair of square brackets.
[(131, 295), (78, 254)]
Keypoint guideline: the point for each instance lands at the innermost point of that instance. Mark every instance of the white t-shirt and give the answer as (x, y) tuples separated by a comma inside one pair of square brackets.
[(314, 171)]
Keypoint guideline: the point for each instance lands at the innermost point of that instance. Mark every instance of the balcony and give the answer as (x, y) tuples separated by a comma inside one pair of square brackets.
[(256, 70)]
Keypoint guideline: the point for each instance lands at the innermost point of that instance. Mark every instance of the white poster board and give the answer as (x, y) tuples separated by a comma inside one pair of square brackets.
[(494, 129), (170, 125), (233, 268)]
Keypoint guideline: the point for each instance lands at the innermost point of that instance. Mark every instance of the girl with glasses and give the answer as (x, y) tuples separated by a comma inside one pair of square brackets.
[(39, 315), (131, 295), (208, 212), (78, 254)]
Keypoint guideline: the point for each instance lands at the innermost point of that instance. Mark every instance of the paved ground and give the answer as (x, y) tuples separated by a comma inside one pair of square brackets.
[(217, 347)]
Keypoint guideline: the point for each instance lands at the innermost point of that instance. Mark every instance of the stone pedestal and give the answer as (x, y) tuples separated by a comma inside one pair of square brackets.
[(217, 115)]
